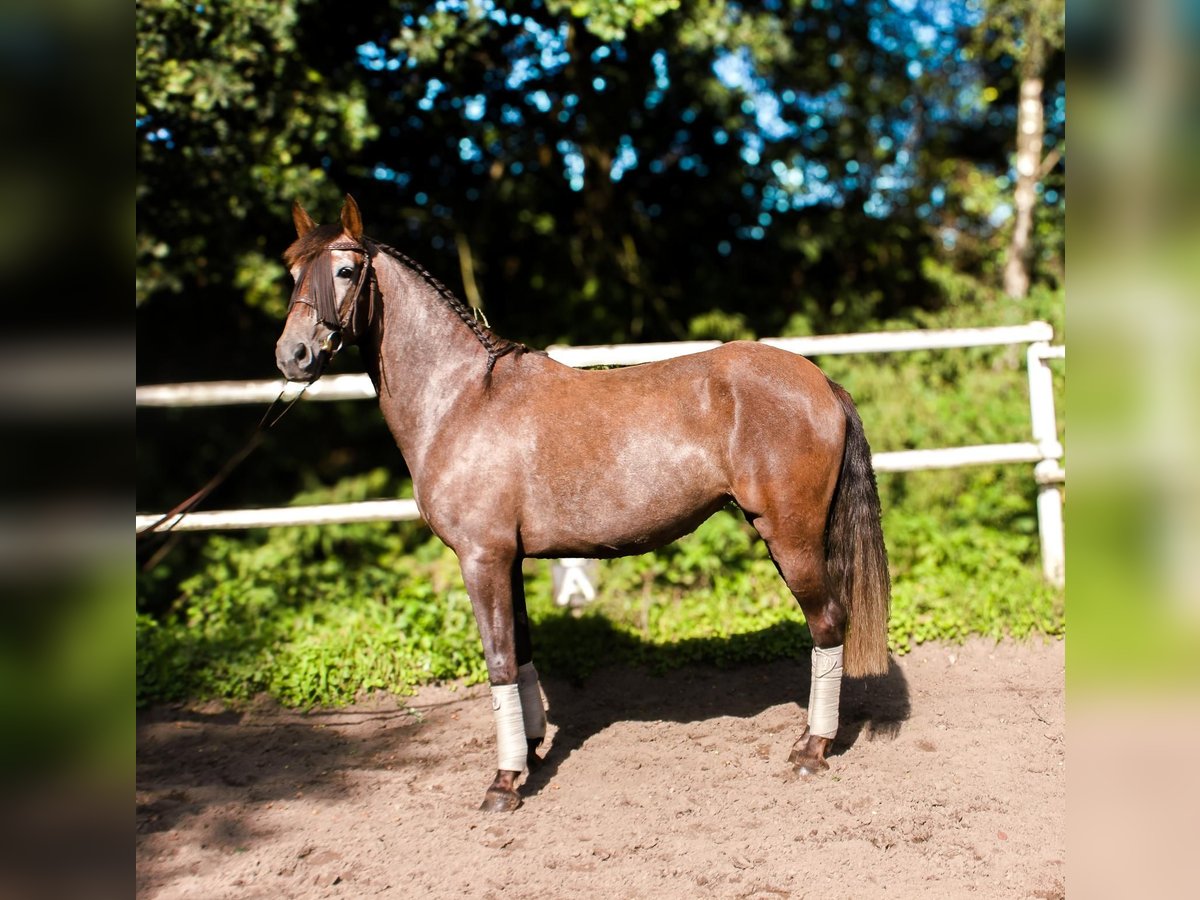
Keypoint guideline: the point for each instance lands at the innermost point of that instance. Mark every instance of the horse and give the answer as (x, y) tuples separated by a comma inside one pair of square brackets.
[(514, 455)]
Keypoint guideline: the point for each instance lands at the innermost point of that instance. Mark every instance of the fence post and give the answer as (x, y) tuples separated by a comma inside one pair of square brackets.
[(571, 582), (1048, 472)]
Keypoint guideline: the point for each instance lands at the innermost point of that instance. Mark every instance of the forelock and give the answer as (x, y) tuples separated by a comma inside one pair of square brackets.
[(305, 249)]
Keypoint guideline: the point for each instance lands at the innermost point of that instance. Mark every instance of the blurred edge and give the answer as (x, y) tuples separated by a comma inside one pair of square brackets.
[(1134, 528), (1135, 315), (66, 645)]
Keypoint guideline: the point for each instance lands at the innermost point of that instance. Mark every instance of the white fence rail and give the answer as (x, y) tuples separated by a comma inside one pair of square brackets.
[(1044, 451), (359, 387)]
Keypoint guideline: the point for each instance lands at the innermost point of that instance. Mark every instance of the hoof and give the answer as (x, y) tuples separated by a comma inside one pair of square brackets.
[(499, 800), (807, 765), (808, 754)]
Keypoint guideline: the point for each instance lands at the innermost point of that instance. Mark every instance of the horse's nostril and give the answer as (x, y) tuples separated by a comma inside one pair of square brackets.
[(301, 352)]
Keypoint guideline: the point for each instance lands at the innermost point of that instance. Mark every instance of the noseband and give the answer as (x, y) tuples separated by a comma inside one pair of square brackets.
[(321, 286)]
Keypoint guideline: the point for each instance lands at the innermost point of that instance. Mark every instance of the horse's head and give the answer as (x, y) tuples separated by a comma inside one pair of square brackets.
[(330, 265)]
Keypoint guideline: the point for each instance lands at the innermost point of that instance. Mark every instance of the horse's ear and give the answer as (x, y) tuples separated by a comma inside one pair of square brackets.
[(351, 218), (304, 222)]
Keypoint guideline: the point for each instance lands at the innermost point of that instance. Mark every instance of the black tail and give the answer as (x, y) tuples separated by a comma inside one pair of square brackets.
[(855, 555)]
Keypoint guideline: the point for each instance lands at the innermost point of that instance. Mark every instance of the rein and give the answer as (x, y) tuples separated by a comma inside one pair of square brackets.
[(268, 421)]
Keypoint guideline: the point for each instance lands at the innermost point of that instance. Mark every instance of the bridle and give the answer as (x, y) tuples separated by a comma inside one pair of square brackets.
[(323, 306)]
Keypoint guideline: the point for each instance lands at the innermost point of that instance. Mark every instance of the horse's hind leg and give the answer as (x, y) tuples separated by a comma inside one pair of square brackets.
[(799, 555)]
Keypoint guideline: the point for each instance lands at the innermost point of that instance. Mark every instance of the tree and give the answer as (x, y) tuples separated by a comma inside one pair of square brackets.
[(234, 110), (589, 170), (1027, 31)]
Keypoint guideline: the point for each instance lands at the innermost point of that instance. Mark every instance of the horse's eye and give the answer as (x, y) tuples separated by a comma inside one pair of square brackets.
[(345, 272)]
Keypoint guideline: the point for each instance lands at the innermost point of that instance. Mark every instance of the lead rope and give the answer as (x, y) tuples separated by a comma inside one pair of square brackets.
[(268, 421), (331, 346)]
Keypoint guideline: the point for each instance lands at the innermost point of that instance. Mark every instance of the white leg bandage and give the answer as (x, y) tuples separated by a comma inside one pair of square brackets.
[(532, 707), (510, 727), (825, 692)]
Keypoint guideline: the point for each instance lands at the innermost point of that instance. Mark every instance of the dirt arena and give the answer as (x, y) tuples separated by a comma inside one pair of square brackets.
[(948, 779)]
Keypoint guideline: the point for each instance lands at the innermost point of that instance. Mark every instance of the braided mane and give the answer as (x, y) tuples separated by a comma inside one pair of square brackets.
[(495, 345)]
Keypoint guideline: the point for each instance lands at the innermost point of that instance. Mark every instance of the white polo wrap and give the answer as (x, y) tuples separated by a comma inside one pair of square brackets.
[(826, 691), (510, 727), (532, 707)]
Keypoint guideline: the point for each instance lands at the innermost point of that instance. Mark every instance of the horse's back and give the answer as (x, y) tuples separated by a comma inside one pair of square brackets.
[(739, 393), (609, 462), (743, 394), (669, 442)]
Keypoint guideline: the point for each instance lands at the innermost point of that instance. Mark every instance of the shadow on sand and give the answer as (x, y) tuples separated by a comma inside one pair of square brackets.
[(594, 675), (690, 681)]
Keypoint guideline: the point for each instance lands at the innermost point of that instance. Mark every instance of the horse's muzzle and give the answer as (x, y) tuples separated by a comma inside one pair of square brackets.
[(298, 361)]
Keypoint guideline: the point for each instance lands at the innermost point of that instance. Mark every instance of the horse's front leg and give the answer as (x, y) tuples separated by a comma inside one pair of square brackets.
[(532, 707), (488, 578)]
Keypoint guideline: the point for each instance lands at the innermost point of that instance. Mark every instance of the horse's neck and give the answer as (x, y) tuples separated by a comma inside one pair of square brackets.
[(425, 358)]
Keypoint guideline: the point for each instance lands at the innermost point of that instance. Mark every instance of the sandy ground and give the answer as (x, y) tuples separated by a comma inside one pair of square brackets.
[(947, 779)]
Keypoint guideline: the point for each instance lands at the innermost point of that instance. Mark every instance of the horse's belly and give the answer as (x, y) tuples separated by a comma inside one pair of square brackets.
[(621, 510)]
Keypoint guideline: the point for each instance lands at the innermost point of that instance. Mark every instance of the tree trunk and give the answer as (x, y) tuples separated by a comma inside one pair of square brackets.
[(1030, 131)]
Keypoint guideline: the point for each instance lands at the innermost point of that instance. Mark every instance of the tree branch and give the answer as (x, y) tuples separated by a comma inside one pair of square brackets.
[(1049, 163)]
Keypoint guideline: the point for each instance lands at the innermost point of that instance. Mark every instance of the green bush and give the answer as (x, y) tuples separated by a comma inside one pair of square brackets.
[(320, 615), (310, 614)]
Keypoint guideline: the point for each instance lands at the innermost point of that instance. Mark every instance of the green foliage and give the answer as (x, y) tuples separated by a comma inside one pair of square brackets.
[(321, 616), (721, 326), (610, 20), (310, 615), (462, 130), (1009, 27), (971, 579), (232, 121)]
